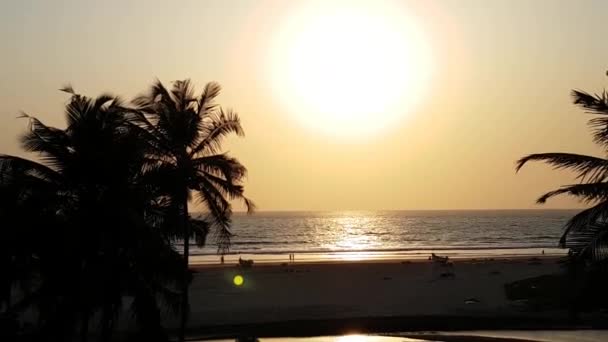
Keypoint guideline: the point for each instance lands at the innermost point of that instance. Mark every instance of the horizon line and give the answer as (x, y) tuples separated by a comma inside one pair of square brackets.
[(376, 210)]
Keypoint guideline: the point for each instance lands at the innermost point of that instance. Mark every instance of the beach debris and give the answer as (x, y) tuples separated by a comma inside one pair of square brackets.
[(439, 259), (472, 300), (447, 275), (495, 272), (245, 263), (387, 278)]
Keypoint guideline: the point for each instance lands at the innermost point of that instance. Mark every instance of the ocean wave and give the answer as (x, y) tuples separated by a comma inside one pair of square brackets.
[(387, 231)]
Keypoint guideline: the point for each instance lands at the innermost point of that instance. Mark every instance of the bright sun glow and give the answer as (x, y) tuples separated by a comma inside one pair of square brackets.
[(350, 68)]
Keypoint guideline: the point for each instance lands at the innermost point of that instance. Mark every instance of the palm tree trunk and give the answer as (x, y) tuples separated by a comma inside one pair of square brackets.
[(185, 285)]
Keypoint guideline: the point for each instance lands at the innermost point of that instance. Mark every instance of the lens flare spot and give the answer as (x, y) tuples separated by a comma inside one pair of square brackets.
[(238, 280)]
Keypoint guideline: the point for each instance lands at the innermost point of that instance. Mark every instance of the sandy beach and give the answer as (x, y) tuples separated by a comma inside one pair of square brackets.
[(470, 293)]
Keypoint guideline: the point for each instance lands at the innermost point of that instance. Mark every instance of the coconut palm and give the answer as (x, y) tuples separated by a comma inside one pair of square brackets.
[(82, 224), (586, 234), (185, 133)]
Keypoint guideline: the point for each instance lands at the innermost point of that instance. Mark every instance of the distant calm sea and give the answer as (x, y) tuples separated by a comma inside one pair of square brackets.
[(394, 233)]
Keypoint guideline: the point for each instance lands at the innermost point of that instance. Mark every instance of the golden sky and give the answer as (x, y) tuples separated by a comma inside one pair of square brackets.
[(486, 82)]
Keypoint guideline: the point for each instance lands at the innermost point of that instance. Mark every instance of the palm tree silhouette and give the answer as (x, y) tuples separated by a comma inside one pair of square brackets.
[(81, 227), (185, 133), (586, 233)]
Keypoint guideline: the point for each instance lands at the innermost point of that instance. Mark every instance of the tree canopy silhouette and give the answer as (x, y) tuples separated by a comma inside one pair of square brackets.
[(90, 226), (586, 234), (184, 135)]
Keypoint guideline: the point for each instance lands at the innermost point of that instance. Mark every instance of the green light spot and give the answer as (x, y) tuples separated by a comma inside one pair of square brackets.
[(238, 280)]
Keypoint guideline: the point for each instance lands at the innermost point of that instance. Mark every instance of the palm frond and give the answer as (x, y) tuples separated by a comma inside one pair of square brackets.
[(53, 144), (205, 102), (200, 230), (156, 101), (599, 127), (67, 89), (583, 221), (220, 214), (230, 190), (589, 168), (221, 165), (183, 93), (595, 104), (250, 205), (587, 192), (214, 128), (104, 101), (592, 243), (10, 164)]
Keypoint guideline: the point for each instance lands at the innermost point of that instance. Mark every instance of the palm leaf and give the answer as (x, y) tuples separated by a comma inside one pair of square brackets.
[(10, 164), (591, 244), (588, 192), (220, 212), (587, 167), (221, 165), (200, 230), (183, 93), (231, 190), (205, 102), (595, 104), (584, 221), (215, 128)]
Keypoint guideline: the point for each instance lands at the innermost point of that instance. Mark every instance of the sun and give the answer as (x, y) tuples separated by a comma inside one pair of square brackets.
[(351, 68)]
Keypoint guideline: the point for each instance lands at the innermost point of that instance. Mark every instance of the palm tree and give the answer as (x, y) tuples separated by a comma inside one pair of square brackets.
[(185, 133), (84, 229), (586, 234)]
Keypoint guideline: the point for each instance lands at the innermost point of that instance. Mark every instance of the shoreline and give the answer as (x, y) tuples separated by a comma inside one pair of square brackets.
[(198, 261), (464, 260)]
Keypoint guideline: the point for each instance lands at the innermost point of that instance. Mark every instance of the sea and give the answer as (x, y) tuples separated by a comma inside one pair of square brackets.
[(377, 235)]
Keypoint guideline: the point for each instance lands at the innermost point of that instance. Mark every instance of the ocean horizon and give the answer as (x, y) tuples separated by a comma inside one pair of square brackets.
[(391, 234)]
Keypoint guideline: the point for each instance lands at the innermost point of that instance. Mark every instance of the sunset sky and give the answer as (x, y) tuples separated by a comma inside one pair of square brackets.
[(347, 105)]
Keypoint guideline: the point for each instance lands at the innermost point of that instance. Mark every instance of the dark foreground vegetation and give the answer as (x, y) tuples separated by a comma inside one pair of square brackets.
[(89, 224)]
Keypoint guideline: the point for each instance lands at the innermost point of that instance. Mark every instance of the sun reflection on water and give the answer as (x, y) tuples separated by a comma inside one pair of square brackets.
[(348, 230)]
